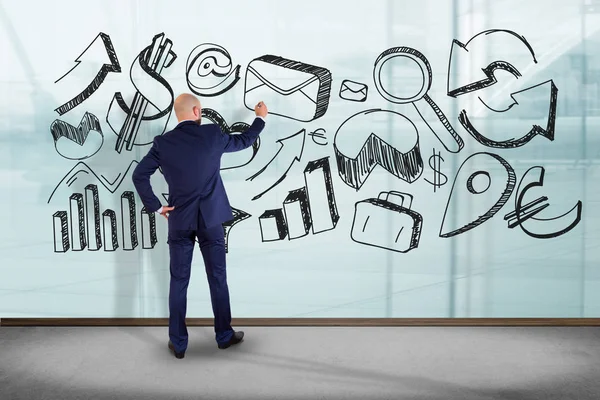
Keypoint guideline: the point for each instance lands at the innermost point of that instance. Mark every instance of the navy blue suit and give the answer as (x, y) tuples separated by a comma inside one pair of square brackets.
[(190, 159)]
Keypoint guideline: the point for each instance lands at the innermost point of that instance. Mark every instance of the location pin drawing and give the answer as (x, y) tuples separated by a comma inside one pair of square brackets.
[(497, 180)]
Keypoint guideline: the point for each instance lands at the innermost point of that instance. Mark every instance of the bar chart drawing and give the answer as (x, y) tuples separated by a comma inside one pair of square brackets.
[(272, 225), (319, 183), (92, 213), (312, 207), (128, 221), (77, 220), (149, 239), (83, 227), (61, 232), (109, 223)]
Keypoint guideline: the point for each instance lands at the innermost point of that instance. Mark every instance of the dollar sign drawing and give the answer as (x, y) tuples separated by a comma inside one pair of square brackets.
[(435, 162), (152, 101)]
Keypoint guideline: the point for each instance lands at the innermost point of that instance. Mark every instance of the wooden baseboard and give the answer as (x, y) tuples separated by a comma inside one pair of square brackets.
[(308, 322)]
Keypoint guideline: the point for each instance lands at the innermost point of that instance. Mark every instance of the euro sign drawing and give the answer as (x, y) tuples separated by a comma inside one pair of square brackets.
[(125, 120)]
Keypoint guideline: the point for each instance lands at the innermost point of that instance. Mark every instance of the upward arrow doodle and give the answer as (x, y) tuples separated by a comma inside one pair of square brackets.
[(296, 148), (93, 53)]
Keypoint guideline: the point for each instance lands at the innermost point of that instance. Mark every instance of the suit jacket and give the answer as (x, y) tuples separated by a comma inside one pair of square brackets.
[(190, 159)]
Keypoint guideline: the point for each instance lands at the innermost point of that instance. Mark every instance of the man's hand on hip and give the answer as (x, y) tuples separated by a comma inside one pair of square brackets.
[(164, 211)]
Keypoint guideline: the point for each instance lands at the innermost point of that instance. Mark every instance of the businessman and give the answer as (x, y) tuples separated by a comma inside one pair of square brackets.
[(190, 159)]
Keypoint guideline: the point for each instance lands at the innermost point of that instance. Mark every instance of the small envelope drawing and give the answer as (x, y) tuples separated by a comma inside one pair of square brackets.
[(353, 91), (289, 88)]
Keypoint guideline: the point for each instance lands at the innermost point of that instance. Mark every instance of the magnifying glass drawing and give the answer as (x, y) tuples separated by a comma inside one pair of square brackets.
[(412, 64)]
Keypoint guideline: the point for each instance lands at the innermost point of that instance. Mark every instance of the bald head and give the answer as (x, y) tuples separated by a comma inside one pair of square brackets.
[(187, 106)]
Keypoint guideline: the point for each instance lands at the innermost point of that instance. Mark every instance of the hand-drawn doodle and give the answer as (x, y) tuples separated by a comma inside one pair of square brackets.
[(310, 207), (297, 213), (272, 225), (112, 66), (109, 224), (73, 143), (60, 225), (319, 134), (353, 91), (209, 70), (296, 148), (358, 149), (294, 89), (321, 197), (128, 221), (546, 89), (125, 121), (81, 169), (537, 227), (500, 186), (435, 163), (486, 44), (238, 216), (397, 57), (380, 223), (239, 158), (92, 212), (77, 219), (149, 238)]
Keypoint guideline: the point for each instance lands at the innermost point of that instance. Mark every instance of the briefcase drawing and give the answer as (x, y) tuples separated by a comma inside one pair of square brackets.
[(353, 91), (389, 225), (289, 88)]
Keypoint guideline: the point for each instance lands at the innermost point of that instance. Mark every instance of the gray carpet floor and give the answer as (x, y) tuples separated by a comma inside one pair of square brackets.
[(303, 363)]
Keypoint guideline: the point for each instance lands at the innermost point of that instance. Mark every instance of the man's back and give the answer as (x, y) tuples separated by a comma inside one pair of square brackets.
[(190, 159)]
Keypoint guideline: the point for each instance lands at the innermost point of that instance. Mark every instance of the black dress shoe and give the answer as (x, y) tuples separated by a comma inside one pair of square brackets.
[(235, 339), (178, 355)]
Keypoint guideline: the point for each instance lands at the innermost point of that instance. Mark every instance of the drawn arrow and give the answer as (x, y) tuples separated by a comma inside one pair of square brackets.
[(298, 143), (547, 89), (238, 216), (92, 54), (465, 54)]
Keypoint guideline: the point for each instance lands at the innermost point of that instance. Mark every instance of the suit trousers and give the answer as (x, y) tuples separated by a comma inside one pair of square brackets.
[(181, 248)]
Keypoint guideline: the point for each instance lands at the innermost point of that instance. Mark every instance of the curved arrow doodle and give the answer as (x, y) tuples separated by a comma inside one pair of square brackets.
[(113, 66), (238, 127), (293, 149), (545, 228), (548, 89), (238, 216), (507, 41)]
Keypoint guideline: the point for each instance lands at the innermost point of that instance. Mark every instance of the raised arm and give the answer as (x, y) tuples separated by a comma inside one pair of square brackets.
[(232, 143)]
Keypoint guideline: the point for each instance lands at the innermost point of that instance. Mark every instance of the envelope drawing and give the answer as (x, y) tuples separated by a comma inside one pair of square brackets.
[(289, 88), (353, 91)]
